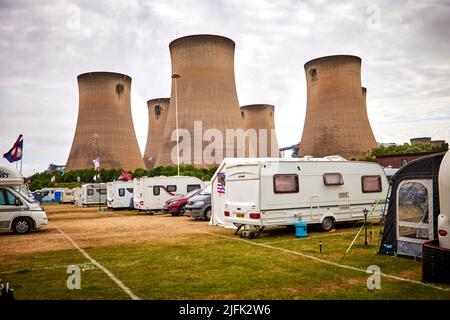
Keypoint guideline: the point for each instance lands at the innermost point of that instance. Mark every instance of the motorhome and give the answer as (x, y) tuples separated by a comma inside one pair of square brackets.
[(93, 194), (51, 195), (67, 196), (260, 193), (17, 211), (151, 193), (119, 194)]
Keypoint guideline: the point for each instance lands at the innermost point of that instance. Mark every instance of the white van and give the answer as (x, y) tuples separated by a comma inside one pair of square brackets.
[(17, 211), (92, 194), (277, 192), (119, 194), (151, 193)]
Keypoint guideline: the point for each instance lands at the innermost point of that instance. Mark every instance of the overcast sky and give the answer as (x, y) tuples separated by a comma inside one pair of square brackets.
[(44, 45)]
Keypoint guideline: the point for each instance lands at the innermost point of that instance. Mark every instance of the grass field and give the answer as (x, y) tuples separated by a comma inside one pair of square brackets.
[(165, 257)]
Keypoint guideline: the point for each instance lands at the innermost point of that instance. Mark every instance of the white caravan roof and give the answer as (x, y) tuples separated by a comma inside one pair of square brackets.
[(10, 176), (243, 161)]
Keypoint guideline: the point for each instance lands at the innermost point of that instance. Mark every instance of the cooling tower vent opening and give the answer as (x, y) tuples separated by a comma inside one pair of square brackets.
[(119, 88), (242, 114), (157, 110), (313, 72)]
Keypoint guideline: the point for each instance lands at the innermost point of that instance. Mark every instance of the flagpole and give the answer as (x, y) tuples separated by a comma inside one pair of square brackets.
[(98, 176), (21, 158)]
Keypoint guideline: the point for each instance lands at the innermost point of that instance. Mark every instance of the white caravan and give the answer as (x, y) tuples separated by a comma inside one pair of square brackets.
[(444, 191), (17, 211), (277, 192), (68, 196), (151, 193), (119, 194), (93, 193)]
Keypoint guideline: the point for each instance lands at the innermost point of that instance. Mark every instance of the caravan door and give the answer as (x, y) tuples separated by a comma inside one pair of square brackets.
[(414, 216)]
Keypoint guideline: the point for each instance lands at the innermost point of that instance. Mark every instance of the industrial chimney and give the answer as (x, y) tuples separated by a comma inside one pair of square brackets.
[(157, 116), (204, 92), (336, 121), (104, 125), (260, 117)]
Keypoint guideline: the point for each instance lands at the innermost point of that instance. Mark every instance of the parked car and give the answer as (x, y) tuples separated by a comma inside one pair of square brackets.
[(199, 206), (176, 206)]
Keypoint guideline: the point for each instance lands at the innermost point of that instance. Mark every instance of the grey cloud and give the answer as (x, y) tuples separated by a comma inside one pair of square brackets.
[(405, 62)]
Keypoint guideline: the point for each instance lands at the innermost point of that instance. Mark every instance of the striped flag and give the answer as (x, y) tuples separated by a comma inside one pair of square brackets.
[(15, 153), (220, 183), (96, 163)]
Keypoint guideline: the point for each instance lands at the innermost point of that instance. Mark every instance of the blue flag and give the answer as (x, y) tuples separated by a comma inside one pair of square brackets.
[(15, 153)]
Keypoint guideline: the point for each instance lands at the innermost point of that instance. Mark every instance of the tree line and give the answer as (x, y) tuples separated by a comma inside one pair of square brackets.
[(76, 178)]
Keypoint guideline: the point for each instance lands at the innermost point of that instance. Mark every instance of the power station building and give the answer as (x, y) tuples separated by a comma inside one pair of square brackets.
[(336, 121), (204, 93), (157, 116), (105, 125), (261, 118)]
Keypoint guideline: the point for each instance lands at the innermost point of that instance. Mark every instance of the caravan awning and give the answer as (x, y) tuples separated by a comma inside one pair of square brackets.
[(10, 176)]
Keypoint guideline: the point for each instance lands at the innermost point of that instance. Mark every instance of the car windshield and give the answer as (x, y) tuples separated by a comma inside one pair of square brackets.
[(206, 191), (25, 193)]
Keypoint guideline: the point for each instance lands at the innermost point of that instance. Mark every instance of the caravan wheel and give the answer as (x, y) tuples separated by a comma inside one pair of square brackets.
[(327, 224)]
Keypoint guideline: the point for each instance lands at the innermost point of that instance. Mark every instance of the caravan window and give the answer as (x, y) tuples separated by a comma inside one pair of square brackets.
[(90, 192), (156, 190), (171, 188), (130, 190), (333, 179), (102, 191), (121, 192), (192, 187), (371, 184), (285, 183)]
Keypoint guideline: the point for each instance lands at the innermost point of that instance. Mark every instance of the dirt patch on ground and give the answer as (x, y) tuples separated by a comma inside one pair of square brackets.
[(89, 227)]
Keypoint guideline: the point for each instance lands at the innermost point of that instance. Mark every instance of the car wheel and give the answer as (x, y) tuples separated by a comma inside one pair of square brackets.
[(207, 214), (182, 211), (22, 225), (327, 224)]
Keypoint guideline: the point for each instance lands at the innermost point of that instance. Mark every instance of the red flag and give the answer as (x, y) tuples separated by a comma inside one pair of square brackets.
[(126, 176)]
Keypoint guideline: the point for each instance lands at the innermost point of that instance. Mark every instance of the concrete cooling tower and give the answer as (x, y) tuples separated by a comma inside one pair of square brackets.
[(336, 120), (105, 125), (205, 93), (261, 118), (157, 116)]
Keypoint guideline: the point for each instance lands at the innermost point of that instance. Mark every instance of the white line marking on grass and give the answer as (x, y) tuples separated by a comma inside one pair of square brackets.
[(329, 262), (84, 267), (311, 237), (98, 265)]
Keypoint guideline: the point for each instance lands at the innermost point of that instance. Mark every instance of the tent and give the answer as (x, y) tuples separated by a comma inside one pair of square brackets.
[(412, 214)]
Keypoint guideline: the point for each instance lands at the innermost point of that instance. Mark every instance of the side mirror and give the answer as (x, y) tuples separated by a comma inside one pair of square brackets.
[(17, 202)]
